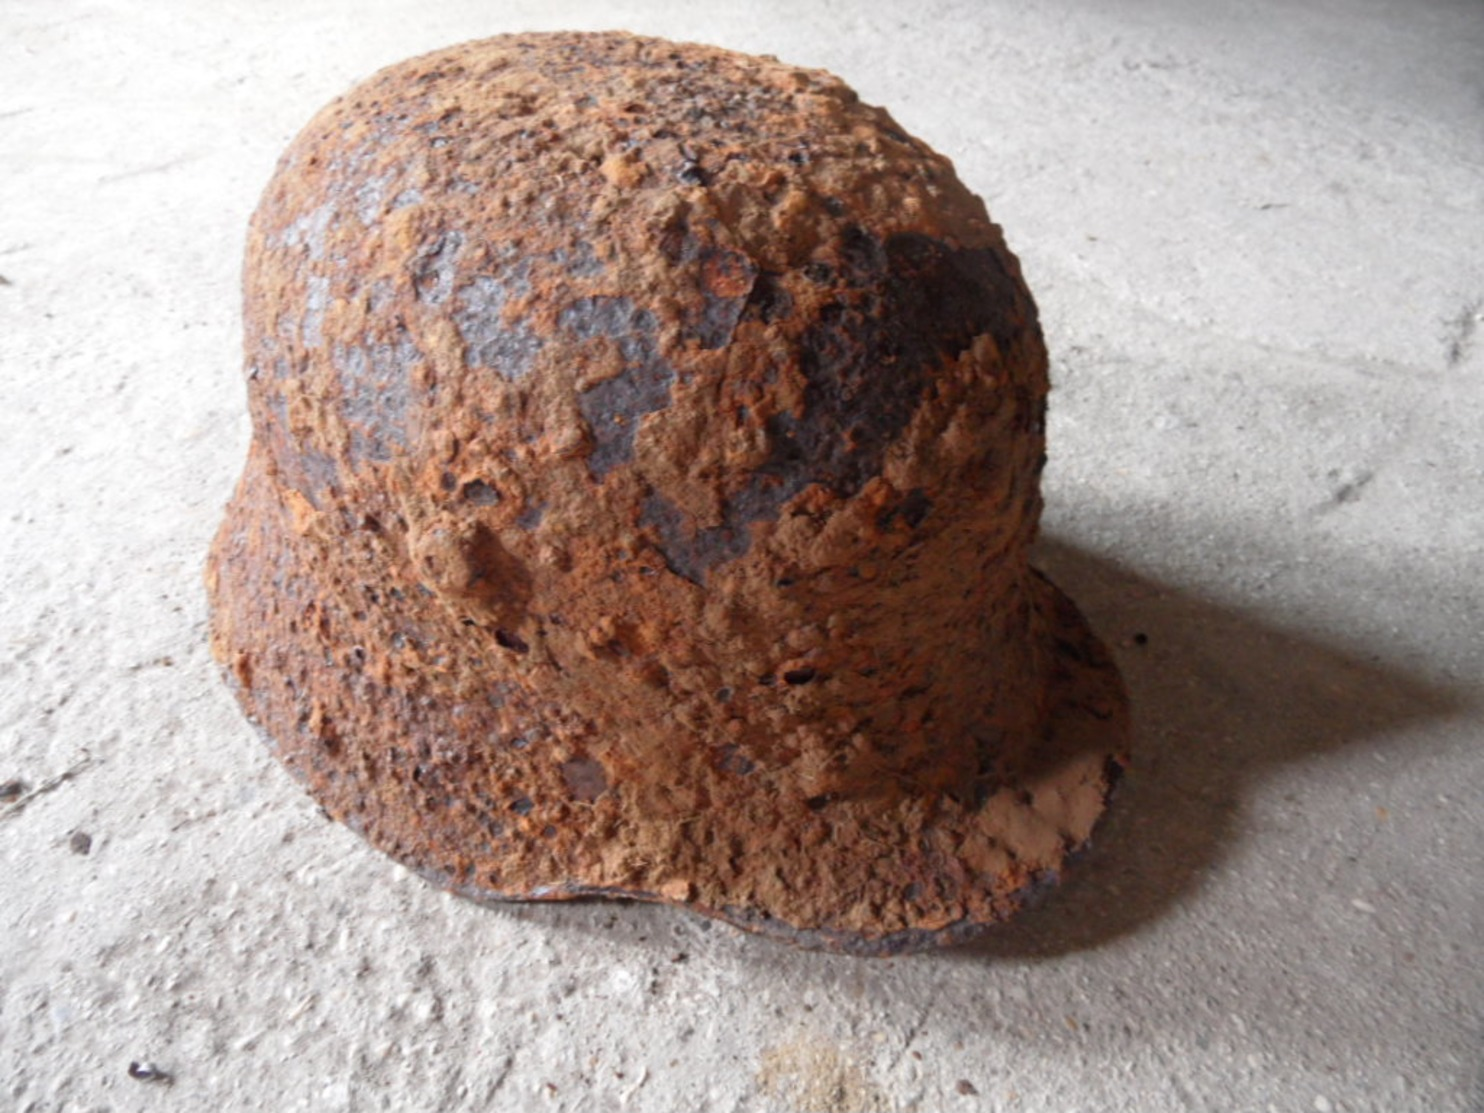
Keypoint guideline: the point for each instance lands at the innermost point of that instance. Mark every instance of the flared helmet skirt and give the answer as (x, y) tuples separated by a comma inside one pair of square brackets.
[(646, 452)]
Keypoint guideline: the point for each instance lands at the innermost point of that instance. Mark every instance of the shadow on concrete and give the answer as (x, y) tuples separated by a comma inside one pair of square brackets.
[(1219, 699)]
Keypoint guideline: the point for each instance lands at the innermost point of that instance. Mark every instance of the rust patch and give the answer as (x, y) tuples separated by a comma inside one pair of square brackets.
[(586, 779)]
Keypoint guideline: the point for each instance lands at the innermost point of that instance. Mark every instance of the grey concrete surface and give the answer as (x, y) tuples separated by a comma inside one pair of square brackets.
[(1256, 233)]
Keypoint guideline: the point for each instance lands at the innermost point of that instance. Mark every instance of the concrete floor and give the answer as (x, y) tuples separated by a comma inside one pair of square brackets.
[(1255, 234)]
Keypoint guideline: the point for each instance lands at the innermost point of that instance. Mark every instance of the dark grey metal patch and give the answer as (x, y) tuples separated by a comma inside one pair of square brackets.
[(613, 408)]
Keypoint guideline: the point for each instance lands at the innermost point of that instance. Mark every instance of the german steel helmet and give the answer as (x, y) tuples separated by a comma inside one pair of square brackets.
[(646, 451)]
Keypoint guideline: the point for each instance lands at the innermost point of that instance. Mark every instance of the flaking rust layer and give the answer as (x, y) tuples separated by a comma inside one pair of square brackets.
[(646, 452)]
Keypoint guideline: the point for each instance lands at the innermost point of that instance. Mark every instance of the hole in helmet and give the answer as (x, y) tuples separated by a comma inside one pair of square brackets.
[(480, 493), (514, 642)]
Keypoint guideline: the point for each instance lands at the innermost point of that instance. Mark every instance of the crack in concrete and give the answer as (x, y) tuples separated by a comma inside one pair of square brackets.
[(1461, 331), (19, 803)]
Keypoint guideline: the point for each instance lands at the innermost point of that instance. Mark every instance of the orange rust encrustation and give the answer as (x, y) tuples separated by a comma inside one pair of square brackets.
[(646, 453)]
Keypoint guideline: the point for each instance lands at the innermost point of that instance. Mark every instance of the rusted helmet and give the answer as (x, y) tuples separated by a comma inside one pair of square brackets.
[(646, 443)]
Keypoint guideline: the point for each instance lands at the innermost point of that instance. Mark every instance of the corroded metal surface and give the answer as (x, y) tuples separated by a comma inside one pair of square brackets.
[(646, 451)]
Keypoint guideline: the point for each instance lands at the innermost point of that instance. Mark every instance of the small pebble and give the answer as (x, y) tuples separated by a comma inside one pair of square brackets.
[(1322, 1105), (966, 1088), (1362, 905), (81, 842), (10, 790), (147, 1072)]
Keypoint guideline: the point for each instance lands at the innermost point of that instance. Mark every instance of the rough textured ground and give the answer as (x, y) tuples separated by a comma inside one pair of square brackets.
[(1254, 245)]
